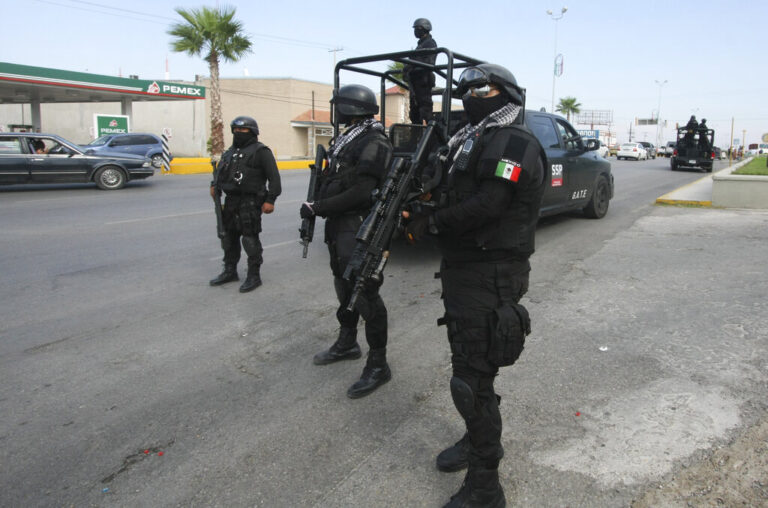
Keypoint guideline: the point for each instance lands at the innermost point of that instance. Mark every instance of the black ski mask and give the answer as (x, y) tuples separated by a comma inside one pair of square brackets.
[(419, 32), (239, 139), (478, 108)]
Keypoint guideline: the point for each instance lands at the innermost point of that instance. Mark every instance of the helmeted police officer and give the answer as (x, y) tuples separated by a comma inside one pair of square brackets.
[(421, 80), (496, 178), (358, 159), (690, 130), (248, 175), (704, 135)]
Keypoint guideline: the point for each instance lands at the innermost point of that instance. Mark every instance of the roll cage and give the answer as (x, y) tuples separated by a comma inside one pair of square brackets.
[(445, 70)]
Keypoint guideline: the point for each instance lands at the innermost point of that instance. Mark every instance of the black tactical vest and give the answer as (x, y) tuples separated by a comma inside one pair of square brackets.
[(240, 174), (514, 230)]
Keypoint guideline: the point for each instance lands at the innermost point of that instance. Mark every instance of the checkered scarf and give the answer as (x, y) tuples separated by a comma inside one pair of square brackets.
[(505, 115), (348, 135)]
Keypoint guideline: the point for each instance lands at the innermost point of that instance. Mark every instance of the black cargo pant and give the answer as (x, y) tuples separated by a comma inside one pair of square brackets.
[(420, 98), (472, 292), (242, 219), (340, 236)]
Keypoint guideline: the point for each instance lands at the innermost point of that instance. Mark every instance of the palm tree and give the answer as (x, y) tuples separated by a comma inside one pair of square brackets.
[(568, 105), (214, 34)]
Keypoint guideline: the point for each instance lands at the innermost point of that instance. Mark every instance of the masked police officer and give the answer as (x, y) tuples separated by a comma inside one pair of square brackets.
[(495, 182), (358, 162), (248, 175), (690, 131), (421, 80)]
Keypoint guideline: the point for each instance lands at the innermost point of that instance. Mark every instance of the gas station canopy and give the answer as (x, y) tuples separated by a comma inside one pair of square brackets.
[(26, 84)]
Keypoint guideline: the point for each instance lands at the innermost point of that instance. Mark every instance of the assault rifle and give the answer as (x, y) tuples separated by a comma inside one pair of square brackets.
[(217, 199), (307, 229), (402, 185)]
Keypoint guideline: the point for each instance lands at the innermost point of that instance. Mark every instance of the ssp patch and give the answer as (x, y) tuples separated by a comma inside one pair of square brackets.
[(508, 170)]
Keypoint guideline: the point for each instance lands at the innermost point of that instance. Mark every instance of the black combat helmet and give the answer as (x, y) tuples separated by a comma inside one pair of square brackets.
[(486, 74), (247, 122), (423, 23), (354, 100)]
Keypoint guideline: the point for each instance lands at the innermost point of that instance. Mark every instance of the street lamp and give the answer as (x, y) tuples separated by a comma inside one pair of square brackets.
[(556, 18), (658, 110)]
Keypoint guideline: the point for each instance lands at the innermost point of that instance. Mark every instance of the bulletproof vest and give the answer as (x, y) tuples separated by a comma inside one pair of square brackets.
[(515, 229), (240, 174), (368, 154)]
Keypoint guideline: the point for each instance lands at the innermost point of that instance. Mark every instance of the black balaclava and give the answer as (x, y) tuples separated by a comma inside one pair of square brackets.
[(239, 139), (419, 32), (478, 108)]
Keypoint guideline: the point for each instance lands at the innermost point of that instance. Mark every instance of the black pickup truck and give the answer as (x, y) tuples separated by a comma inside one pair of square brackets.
[(581, 180), (694, 149)]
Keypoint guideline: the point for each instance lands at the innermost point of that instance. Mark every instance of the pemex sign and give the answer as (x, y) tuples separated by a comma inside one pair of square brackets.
[(110, 124)]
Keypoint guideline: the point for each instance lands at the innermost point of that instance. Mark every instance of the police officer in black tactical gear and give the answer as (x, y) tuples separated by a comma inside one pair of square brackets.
[(690, 130), (248, 175), (421, 80), (703, 135), (493, 189), (358, 158)]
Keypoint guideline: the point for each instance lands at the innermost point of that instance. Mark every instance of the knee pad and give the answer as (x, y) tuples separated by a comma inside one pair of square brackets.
[(463, 398), (251, 245)]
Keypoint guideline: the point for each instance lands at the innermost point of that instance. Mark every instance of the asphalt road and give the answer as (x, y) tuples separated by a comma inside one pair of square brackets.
[(125, 380)]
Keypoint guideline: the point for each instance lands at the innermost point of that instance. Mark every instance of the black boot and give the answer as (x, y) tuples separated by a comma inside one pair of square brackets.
[(345, 348), (456, 457), (375, 373), (228, 275), (252, 280), (481, 489)]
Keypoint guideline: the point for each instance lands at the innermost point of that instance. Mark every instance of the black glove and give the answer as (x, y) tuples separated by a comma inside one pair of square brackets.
[(306, 210), (417, 227)]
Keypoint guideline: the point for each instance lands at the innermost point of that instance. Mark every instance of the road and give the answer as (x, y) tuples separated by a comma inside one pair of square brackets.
[(125, 380)]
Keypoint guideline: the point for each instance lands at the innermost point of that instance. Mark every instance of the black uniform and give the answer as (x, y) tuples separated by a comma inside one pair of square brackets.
[(249, 177), (486, 235), (345, 200), (422, 81), (690, 131)]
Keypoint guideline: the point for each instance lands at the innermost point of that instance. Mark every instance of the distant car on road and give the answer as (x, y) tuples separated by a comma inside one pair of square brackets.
[(135, 143), (650, 150), (631, 151), (669, 149), (22, 160)]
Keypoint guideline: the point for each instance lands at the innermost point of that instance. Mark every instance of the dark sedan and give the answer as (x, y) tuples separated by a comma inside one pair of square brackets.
[(28, 157)]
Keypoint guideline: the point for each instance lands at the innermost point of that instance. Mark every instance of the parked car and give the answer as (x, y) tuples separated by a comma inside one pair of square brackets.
[(580, 178), (650, 149), (22, 160), (135, 143), (669, 149), (631, 151)]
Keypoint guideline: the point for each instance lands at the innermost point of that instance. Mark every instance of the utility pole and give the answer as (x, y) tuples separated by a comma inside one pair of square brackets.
[(658, 111), (554, 59), (334, 50)]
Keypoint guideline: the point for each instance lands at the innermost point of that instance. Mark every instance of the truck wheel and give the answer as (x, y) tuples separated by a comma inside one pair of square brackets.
[(673, 165), (598, 205)]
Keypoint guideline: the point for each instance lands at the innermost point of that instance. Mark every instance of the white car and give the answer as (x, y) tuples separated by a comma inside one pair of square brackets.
[(603, 150), (631, 151)]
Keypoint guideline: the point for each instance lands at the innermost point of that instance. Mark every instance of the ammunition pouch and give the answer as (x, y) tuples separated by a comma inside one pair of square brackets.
[(510, 324)]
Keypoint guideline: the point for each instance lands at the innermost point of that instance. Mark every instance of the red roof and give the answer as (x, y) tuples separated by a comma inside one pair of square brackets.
[(323, 117), (394, 90), (320, 116)]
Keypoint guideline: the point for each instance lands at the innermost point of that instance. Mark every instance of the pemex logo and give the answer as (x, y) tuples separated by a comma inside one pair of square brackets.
[(153, 88), (113, 123)]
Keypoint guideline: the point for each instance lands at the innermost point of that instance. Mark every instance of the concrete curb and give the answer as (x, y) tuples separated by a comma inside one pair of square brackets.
[(697, 193), (197, 165)]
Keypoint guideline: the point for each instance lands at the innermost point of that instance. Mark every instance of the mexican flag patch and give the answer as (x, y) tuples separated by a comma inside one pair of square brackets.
[(508, 170)]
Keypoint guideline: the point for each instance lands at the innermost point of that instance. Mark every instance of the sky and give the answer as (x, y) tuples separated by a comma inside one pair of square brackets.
[(706, 58)]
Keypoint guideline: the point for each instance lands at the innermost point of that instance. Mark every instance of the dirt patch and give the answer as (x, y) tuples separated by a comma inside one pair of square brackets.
[(734, 475)]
